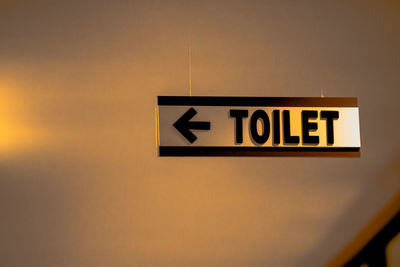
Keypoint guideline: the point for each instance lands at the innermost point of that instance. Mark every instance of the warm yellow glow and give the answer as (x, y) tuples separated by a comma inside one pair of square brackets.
[(15, 130)]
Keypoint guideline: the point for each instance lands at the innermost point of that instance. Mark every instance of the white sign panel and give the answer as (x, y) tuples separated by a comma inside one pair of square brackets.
[(258, 126)]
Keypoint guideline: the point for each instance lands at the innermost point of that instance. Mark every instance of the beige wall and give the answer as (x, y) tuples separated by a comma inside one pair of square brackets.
[(80, 182)]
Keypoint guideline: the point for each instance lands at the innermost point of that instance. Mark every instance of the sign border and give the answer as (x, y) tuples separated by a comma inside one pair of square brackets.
[(257, 101), (257, 151), (230, 151)]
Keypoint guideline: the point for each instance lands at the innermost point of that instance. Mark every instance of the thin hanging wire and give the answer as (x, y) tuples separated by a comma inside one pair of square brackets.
[(157, 128), (190, 70), (321, 88)]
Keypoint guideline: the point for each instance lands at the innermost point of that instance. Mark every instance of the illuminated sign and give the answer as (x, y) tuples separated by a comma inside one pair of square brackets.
[(258, 126)]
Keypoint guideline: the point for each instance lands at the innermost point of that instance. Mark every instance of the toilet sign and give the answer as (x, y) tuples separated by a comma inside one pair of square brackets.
[(258, 126)]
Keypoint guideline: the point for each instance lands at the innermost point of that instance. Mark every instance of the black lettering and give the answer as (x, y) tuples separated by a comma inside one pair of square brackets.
[(307, 126), (277, 127), (329, 115), (259, 114), (289, 139), (239, 114)]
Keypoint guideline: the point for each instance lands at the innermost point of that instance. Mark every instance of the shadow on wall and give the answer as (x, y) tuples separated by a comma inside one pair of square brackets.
[(389, 178)]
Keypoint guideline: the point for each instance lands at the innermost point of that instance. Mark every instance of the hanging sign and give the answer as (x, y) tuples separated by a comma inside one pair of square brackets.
[(258, 126)]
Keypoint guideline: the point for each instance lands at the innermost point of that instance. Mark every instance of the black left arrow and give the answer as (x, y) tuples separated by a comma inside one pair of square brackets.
[(184, 125)]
